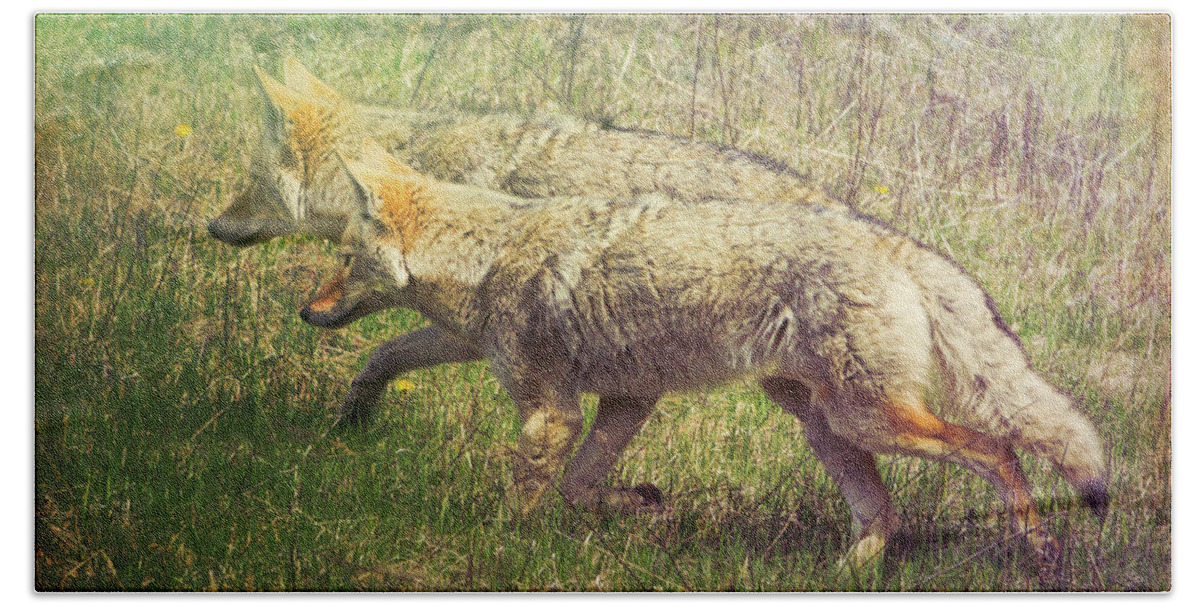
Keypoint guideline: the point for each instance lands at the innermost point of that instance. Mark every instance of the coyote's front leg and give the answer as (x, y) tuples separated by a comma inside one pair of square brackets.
[(617, 419), (414, 350), (550, 424)]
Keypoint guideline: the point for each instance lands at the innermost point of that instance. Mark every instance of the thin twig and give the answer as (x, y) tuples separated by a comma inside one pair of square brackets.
[(696, 75), (576, 35), (437, 45)]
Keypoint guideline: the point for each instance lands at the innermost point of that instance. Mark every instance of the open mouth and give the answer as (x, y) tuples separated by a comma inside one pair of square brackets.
[(333, 315), (332, 309), (328, 319)]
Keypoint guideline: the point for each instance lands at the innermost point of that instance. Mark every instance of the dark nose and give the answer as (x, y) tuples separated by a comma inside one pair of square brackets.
[(305, 315), (236, 232), (227, 232)]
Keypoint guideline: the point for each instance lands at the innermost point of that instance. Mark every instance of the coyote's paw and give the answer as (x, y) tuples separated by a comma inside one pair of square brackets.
[(861, 564), (529, 497), (530, 483), (360, 403), (1049, 552), (652, 497), (863, 553), (644, 497)]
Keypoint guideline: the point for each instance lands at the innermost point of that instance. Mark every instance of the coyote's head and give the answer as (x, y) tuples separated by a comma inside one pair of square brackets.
[(295, 182), (380, 231)]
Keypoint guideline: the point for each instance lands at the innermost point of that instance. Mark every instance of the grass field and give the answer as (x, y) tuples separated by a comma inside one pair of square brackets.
[(184, 414)]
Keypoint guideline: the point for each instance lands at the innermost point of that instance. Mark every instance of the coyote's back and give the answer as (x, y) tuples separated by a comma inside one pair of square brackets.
[(296, 186)]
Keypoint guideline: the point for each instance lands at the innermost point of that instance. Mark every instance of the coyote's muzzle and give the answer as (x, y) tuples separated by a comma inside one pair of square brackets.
[(337, 303)]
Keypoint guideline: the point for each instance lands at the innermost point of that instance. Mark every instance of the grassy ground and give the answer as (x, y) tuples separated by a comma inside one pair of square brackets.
[(184, 414)]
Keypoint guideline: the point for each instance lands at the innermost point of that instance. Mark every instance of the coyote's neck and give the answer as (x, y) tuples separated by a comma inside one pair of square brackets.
[(457, 246)]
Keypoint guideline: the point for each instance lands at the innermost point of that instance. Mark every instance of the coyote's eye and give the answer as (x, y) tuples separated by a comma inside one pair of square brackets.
[(347, 259)]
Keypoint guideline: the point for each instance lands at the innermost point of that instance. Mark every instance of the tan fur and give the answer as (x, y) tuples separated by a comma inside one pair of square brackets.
[(295, 187), (847, 324), (530, 156), (298, 78)]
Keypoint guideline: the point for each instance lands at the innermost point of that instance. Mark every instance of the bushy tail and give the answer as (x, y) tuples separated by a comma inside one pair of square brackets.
[(991, 384)]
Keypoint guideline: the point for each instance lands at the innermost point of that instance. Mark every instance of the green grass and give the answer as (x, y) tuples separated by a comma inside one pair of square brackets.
[(184, 415)]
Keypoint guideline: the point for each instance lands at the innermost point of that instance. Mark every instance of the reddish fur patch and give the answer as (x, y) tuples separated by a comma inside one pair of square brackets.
[(923, 431), (400, 210), (915, 421), (918, 426), (329, 294), (313, 133)]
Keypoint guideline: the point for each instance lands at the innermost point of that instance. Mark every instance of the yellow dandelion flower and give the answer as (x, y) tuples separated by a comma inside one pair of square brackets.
[(403, 386), (87, 281), (881, 189), (182, 130)]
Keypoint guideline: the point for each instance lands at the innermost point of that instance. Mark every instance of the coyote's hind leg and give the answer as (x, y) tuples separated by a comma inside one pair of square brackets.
[(854, 470), (904, 425)]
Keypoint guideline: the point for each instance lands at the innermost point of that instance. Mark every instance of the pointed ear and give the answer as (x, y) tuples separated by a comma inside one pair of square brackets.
[(298, 78), (378, 158), (280, 99), (358, 177)]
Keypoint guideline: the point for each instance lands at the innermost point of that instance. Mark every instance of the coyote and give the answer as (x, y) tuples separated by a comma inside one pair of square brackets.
[(855, 329), (296, 185)]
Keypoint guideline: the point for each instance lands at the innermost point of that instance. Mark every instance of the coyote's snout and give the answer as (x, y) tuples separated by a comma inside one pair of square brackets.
[(244, 231), (341, 300), (845, 323), (324, 310)]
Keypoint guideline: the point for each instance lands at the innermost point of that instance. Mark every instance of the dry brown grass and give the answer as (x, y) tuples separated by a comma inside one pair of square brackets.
[(182, 411)]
